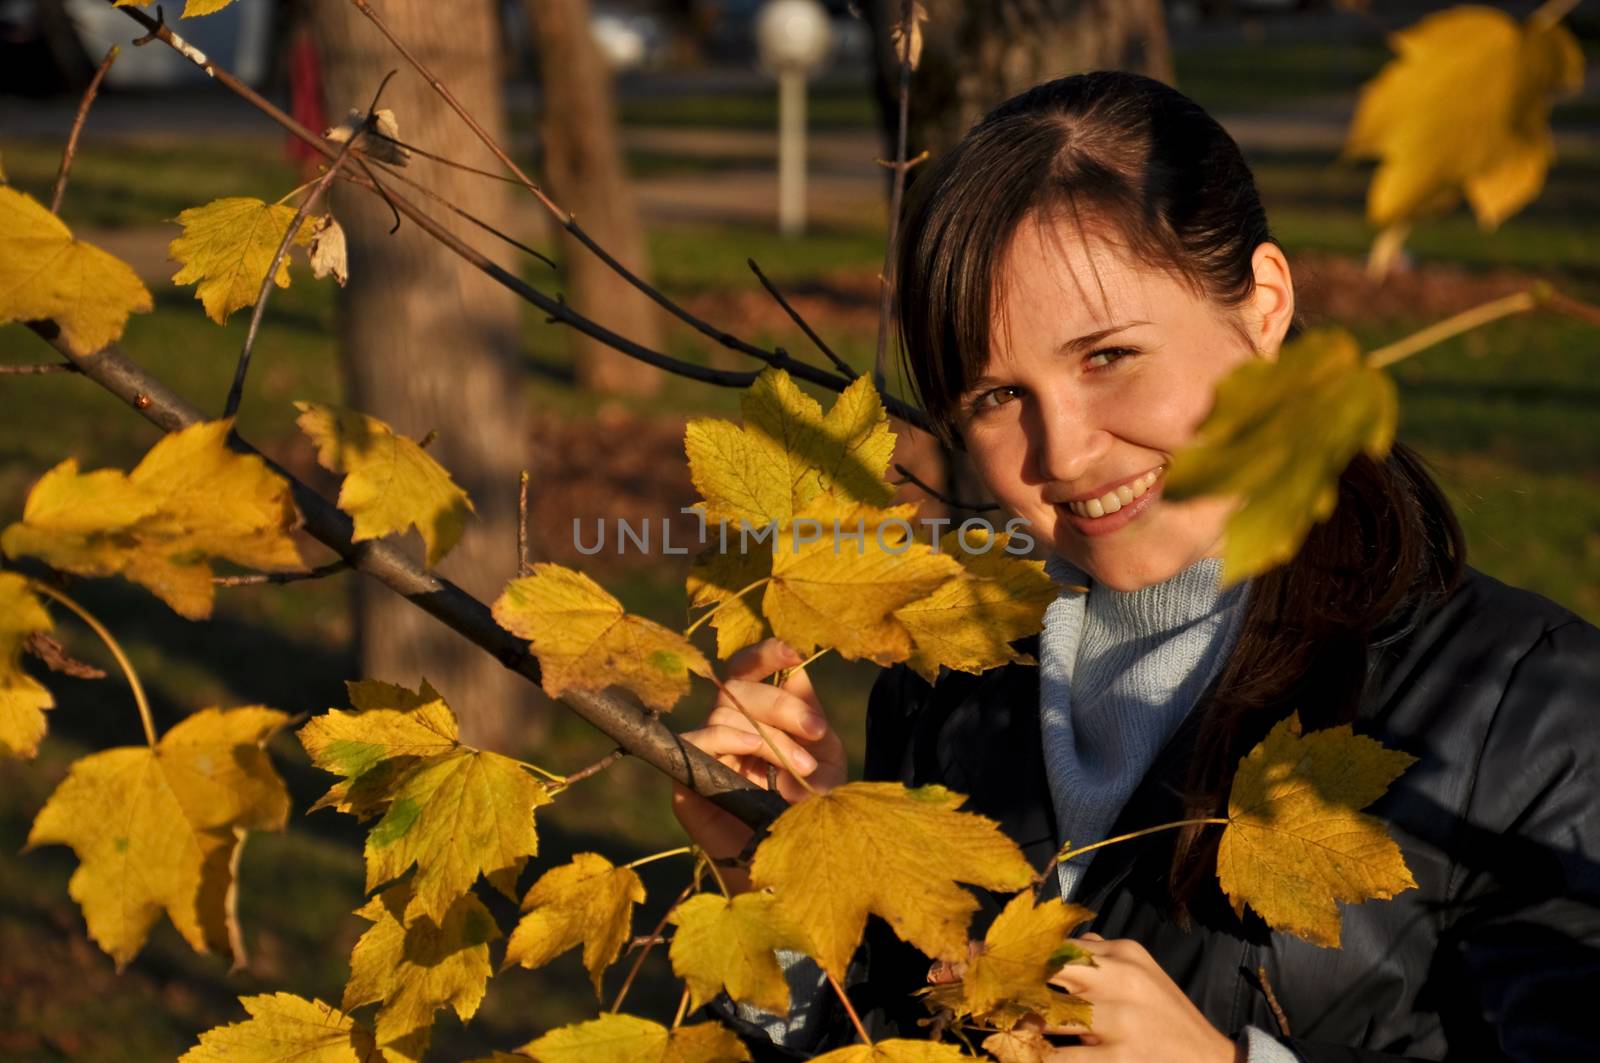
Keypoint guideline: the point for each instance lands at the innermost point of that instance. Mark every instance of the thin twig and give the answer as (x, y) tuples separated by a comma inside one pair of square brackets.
[(805, 326), (912, 478), (650, 942), (1551, 12), (849, 1009), (37, 370), (598, 766), (1272, 1002), (1451, 327), (1566, 304), (897, 193), (236, 391), (78, 120), (761, 730), (256, 579), (139, 700), (54, 656), (683, 1008), (464, 215), (1065, 854), (523, 567)]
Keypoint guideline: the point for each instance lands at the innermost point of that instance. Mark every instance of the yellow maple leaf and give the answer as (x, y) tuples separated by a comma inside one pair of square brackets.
[(588, 902), (190, 499), (1463, 108), (390, 482), (616, 1038), (728, 944), (1279, 435), (284, 1028), (715, 576), (1295, 843), (1022, 1044), (830, 590), (227, 246), (1022, 950), (968, 623), (46, 274), (585, 640), (23, 698), (413, 970), (895, 1052), (191, 9), (452, 810), (155, 829), (884, 849), (788, 451)]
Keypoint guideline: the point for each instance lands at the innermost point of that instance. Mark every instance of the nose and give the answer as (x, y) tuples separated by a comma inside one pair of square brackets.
[(1068, 443)]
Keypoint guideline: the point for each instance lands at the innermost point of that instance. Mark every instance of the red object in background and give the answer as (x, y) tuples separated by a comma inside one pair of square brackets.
[(305, 98)]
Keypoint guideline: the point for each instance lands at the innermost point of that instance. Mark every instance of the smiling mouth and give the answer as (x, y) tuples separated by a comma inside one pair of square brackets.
[(1113, 500)]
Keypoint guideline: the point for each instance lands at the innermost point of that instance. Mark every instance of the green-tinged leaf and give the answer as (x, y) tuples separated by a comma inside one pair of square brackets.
[(585, 640), (1279, 436)]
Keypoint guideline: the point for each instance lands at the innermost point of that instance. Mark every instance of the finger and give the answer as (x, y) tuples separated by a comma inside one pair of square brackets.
[(1090, 936), (772, 706), (721, 741), (762, 659)]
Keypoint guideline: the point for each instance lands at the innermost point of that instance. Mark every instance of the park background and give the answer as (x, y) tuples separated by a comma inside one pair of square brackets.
[(1506, 415)]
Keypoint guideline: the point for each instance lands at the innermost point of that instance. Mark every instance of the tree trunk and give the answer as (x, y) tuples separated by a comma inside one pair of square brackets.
[(430, 344), (584, 174), (975, 55)]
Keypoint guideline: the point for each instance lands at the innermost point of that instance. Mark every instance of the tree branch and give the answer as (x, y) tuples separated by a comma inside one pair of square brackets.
[(624, 721), (71, 150)]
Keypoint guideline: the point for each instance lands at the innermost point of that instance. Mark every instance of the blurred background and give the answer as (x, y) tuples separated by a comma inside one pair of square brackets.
[(656, 123)]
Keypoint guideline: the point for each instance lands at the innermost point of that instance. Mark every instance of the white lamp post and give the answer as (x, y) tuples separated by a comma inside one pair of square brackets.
[(793, 36)]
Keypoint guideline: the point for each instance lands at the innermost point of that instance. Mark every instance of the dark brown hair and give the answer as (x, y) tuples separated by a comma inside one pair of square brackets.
[(1140, 161)]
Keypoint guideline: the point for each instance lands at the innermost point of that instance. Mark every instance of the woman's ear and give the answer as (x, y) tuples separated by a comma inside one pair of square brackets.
[(1272, 300)]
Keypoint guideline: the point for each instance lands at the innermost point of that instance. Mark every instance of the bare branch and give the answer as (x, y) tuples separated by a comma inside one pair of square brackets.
[(256, 579), (71, 150), (598, 766), (805, 326), (624, 721), (37, 370), (910, 477), (56, 658)]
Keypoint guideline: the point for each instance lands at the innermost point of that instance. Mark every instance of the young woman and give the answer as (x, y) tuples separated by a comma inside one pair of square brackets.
[(1074, 279)]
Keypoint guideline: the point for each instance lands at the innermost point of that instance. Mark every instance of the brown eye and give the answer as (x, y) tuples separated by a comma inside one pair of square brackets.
[(983, 402), (1106, 355)]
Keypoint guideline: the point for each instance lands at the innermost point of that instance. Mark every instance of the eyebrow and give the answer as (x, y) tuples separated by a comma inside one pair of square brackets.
[(1068, 347)]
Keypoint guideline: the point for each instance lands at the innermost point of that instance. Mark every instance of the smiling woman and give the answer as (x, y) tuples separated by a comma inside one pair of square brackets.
[(1075, 278)]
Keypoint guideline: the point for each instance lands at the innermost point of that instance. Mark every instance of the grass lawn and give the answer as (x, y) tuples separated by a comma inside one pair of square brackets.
[(1506, 415)]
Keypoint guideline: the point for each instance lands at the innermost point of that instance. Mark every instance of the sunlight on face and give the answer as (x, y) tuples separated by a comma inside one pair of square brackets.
[(1099, 370)]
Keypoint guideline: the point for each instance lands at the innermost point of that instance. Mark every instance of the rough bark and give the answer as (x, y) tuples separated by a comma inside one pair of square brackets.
[(583, 172), (429, 343), (977, 54)]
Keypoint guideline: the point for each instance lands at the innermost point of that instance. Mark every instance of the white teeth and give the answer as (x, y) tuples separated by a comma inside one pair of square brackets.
[(1114, 500)]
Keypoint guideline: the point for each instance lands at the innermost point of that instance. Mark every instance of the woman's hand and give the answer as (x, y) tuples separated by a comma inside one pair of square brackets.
[(1140, 1014), (793, 719)]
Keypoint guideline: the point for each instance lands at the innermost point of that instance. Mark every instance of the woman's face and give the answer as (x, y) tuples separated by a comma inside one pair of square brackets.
[(1099, 370)]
